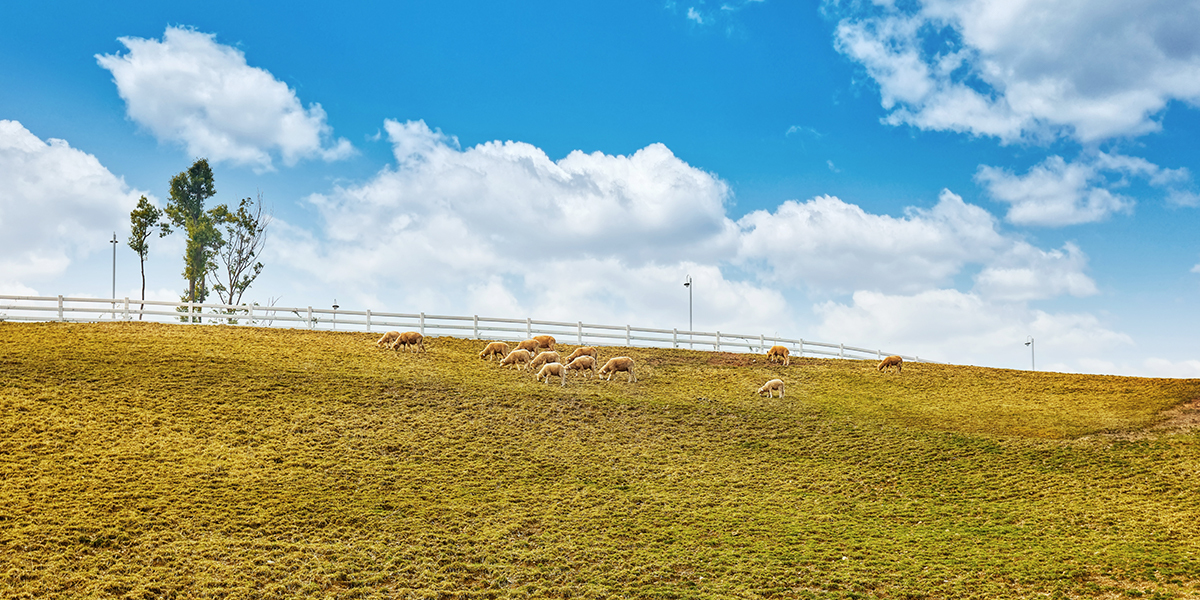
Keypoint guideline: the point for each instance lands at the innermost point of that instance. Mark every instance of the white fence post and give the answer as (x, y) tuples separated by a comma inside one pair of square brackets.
[(475, 321), (310, 319), (127, 308), (422, 324), (579, 332), (761, 344), (718, 344), (801, 347), (675, 337), (628, 342), (249, 313), (528, 328), (841, 351), (368, 320), (60, 309)]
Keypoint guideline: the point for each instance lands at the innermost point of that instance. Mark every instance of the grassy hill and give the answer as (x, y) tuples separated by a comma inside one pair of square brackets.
[(147, 461)]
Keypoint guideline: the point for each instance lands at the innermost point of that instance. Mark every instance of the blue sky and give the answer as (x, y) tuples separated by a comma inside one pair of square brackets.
[(935, 177)]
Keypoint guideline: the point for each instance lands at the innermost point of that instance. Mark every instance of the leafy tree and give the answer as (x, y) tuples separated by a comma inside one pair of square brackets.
[(185, 209), (143, 219), (243, 241)]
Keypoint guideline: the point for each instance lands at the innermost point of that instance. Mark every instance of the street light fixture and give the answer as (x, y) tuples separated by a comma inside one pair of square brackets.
[(688, 285), (1032, 363), (114, 283)]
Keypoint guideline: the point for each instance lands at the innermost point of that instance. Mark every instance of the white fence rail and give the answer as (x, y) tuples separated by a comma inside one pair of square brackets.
[(87, 310)]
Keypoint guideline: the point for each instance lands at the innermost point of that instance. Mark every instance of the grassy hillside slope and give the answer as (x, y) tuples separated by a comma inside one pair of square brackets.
[(146, 461)]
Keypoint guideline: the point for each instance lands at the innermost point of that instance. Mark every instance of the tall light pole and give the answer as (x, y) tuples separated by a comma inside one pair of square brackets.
[(1032, 362), (114, 287), (688, 285)]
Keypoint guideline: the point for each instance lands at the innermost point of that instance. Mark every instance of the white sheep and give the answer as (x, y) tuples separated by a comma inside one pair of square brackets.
[(517, 357), (543, 358), (556, 369), (583, 363), (770, 387), (582, 351), (779, 353), (892, 361), (530, 345), (387, 339), (620, 363), (410, 339), (545, 341), (495, 348)]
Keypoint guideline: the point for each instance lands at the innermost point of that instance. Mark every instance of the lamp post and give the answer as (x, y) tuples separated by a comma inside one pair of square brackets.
[(1032, 363), (688, 285), (114, 282)]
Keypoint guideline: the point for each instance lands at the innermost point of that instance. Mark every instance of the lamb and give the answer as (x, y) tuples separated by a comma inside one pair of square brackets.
[(543, 358), (892, 361), (779, 352), (582, 351), (530, 345), (553, 368), (770, 387), (497, 348), (545, 341), (410, 339), (581, 363), (620, 363), (517, 357), (387, 339)]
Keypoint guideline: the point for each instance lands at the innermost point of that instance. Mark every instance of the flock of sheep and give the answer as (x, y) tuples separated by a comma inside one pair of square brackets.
[(529, 356)]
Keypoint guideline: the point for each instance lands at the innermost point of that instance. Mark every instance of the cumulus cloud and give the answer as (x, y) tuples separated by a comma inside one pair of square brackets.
[(830, 244), (1057, 193), (965, 328), (1021, 69), (501, 229), (1028, 273), (187, 88), (57, 204)]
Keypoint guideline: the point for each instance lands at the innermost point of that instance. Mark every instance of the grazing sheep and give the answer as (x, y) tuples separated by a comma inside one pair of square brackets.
[(553, 368), (770, 387), (582, 351), (892, 361), (387, 339), (620, 363), (410, 339), (517, 357), (497, 348), (779, 352), (543, 358), (545, 341), (582, 363), (530, 345)]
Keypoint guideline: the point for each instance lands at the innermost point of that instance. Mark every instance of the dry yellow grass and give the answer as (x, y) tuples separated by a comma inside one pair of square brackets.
[(143, 460)]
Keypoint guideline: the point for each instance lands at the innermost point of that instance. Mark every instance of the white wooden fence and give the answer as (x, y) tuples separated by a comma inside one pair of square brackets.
[(79, 310)]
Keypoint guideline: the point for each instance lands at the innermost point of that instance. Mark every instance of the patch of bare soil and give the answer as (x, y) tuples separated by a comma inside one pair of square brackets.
[(1184, 418)]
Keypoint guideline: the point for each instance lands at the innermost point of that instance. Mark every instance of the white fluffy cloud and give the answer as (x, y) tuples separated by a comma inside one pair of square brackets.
[(1028, 273), (1057, 193), (57, 204), (501, 229), (829, 244), (190, 89), (966, 328), (1026, 69)]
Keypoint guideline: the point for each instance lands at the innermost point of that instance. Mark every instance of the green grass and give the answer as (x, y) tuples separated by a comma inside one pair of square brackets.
[(147, 461)]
